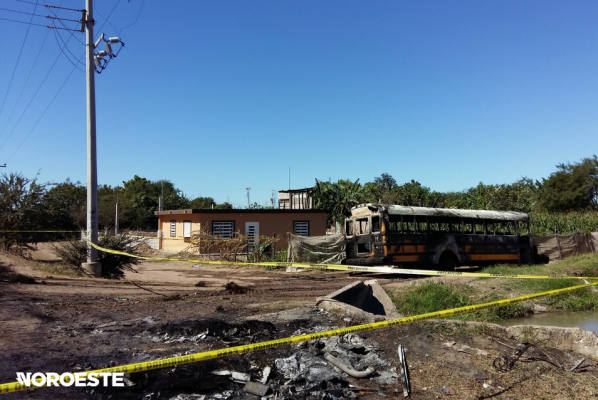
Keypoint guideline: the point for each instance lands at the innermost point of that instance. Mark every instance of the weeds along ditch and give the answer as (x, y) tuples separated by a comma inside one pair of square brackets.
[(432, 296)]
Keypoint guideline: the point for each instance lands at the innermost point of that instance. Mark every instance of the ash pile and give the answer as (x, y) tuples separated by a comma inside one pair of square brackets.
[(212, 330), (320, 369), (339, 367)]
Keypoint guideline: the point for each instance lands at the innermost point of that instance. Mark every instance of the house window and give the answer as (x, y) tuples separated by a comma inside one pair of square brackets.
[(187, 229), (301, 228), (173, 228), (224, 229)]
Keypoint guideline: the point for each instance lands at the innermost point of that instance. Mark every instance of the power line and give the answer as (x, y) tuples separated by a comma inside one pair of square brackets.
[(17, 63), (41, 116), (23, 12), (67, 49), (138, 14), (100, 14), (106, 20), (37, 91), (65, 19), (23, 22), (63, 29), (31, 101), (30, 2), (42, 16), (26, 81), (70, 30), (62, 8)]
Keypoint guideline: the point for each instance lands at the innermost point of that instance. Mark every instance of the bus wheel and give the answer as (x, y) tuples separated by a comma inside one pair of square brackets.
[(448, 262)]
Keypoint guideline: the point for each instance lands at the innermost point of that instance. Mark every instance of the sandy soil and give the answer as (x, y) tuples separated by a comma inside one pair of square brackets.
[(62, 323)]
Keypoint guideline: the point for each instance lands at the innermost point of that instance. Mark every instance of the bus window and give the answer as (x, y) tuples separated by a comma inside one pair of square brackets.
[(394, 224), (509, 228), (363, 248), (348, 228), (467, 226), (362, 226), (499, 228), (479, 227), (408, 226), (438, 224), (455, 225), (375, 223)]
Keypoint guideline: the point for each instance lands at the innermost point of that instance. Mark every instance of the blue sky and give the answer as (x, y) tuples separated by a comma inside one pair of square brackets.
[(217, 96)]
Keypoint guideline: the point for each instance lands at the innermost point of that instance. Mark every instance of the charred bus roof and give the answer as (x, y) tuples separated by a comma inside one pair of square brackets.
[(391, 209)]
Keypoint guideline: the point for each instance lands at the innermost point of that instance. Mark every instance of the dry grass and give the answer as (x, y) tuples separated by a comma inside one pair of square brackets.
[(58, 269)]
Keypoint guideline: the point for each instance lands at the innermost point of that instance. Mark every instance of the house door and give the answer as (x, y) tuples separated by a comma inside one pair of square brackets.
[(252, 231), (186, 229)]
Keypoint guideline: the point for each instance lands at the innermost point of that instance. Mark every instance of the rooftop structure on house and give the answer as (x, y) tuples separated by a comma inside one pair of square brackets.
[(296, 199), (175, 227)]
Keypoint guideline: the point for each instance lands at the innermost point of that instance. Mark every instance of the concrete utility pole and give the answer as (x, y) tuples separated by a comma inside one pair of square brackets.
[(92, 266), (116, 216)]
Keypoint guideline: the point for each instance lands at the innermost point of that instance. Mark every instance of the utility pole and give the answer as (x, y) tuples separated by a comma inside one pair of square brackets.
[(93, 63), (248, 203), (92, 266), (116, 216)]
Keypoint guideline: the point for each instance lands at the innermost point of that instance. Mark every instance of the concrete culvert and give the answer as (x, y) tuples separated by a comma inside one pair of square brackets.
[(364, 301)]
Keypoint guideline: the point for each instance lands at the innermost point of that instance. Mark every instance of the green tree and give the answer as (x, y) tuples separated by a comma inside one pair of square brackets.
[(414, 194), (66, 205), (337, 198), (21, 209), (140, 201), (521, 196), (573, 187), (203, 203), (107, 198)]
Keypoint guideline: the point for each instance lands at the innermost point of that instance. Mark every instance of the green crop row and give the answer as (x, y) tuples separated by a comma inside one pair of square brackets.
[(563, 224)]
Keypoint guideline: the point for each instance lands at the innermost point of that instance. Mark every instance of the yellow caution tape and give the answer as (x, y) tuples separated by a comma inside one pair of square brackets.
[(336, 267), (207, 355), (133, 236), (44, 231)]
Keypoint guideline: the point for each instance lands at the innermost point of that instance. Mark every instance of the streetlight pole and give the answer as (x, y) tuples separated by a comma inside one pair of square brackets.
[(92, 266)]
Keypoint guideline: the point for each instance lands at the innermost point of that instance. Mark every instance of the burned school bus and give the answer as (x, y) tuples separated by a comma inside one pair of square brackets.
[(381, 234)]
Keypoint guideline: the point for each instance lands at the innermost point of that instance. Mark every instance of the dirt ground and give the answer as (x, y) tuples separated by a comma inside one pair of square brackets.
[(56, 323)]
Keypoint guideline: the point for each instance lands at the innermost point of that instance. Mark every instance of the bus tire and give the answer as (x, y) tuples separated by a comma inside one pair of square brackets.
[(448, 262)]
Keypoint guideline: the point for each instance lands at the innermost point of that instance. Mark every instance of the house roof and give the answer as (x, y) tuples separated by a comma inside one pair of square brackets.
[(239, 211)]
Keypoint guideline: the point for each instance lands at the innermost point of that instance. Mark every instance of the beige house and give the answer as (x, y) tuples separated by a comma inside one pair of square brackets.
[(175, 226)]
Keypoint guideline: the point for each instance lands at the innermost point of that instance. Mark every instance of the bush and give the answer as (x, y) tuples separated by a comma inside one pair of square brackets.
[(74, 253)]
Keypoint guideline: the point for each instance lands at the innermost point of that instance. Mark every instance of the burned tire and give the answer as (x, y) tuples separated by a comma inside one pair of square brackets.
[(448, 262)]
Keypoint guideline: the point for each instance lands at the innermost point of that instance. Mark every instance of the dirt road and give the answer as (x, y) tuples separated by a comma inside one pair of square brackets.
[(61, 324)]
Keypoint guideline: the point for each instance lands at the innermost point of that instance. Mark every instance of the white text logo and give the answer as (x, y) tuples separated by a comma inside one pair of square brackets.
[(39, 379)]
